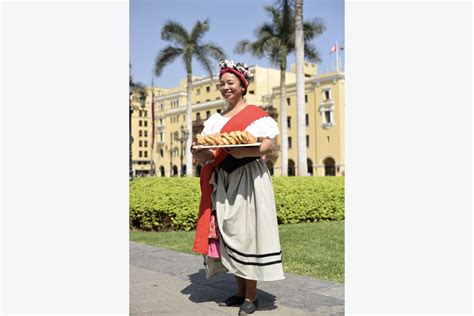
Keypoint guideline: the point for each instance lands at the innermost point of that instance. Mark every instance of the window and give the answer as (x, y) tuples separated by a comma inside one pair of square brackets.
[(146, 143), (252, 91), (140, 143), (144, 113), (140, 133), (208, 89), (145, 133), (307, 140), (198, 116), (288, 101), (146, 123), (306, 98), (288, 119), (140, 154), (327, 94), (140, 113), (140, 121), (161, 121), (208, 100), (162, 106), (289, 142), (198, 91), (328, 116), (176, 135), (307, 119), (161, 152), (208, 113), (328, 139), (161, 137), (146, 153)]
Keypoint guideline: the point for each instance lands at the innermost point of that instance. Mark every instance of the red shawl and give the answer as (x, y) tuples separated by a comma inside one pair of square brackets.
[(238, 122)]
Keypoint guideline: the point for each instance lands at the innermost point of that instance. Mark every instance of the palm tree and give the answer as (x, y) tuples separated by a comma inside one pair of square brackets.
[(187, 46), (300, 101), (275, 40)]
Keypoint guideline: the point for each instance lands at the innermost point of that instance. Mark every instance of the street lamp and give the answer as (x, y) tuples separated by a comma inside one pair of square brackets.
[(132, 88), (182, 140)]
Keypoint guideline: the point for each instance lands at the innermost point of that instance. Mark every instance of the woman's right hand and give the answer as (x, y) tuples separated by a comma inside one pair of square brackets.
[(201, 153)]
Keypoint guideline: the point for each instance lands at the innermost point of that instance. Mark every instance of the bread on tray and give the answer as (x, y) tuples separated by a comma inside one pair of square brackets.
[(232, 138)]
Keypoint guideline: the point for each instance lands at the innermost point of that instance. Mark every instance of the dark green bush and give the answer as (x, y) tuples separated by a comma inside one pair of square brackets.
[(173, 203)]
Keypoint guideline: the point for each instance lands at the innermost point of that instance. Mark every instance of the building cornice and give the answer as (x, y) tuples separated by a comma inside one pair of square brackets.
[(170, 96), (311, 82), (196, 107)]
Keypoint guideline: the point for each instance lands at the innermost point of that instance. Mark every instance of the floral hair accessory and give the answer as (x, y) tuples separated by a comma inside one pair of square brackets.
[(241, 70)]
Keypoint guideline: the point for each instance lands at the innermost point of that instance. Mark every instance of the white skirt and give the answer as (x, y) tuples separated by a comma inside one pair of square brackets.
[(247, 221)]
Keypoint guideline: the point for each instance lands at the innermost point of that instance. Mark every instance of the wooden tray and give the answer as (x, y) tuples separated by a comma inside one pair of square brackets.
[(226, 146)]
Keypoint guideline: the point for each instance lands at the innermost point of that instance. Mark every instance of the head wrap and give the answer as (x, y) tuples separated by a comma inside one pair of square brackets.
[(241, 70)]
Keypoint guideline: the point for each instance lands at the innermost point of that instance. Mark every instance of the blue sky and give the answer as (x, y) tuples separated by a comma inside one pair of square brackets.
[(230, 21)]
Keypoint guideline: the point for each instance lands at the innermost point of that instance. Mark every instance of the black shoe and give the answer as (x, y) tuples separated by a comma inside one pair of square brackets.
[(234, 300), (248, 307)]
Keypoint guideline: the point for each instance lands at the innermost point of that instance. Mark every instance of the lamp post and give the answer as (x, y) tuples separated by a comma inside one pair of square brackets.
[(182, 140)]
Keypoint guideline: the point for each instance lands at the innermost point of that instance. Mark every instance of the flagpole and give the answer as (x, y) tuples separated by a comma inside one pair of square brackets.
[(337, 57)]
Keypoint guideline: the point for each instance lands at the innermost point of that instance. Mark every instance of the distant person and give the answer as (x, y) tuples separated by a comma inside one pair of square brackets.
[(237, 229)]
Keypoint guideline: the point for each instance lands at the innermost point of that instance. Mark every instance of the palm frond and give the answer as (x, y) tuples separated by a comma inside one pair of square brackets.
[(198, 31), (242, 46), (166, 56), (311, 53), (174, 32), (313, 28), (207, 51)]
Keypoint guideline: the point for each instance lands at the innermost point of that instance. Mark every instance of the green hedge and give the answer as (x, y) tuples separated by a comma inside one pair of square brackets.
[(172, 203)]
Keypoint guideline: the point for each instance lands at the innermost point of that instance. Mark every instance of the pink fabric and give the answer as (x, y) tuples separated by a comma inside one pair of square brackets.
[(213, 226), (214, 249)]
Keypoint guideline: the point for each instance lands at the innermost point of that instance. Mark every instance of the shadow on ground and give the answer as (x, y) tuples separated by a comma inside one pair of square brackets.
[(220, 287)]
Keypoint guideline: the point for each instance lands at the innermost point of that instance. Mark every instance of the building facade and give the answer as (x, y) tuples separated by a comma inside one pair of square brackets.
[(165, 154)]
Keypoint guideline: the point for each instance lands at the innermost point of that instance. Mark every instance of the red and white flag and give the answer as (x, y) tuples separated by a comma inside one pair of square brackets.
[(334, 48)]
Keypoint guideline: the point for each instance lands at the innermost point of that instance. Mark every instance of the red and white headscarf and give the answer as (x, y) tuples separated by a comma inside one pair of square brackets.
[(241, 70)]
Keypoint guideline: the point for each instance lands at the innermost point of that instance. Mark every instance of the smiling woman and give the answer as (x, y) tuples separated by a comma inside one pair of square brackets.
[(237, 228)]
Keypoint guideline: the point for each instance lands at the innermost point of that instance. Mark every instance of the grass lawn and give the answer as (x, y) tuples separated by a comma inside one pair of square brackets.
[(313, 249)]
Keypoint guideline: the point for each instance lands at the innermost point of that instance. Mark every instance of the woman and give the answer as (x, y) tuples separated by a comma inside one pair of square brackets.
[(237, 228)]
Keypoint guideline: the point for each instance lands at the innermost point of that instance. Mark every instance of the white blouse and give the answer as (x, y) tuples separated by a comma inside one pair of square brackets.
[(262, 127)]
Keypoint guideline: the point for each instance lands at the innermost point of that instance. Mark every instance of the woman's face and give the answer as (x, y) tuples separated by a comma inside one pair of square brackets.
[(230, 87)]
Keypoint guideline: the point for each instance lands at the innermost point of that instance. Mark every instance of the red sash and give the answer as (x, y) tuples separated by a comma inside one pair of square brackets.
[(238, 122)]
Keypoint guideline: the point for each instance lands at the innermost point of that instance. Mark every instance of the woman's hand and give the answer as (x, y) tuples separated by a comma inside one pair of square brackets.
[(202, 154)]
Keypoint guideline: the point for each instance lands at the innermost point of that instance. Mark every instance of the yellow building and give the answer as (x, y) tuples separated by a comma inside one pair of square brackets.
[(324, 103), (168, 157)]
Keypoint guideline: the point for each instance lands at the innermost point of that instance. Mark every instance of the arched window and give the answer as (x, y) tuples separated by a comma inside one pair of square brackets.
[(291, 167), (162, 171), (310, 166), (175, 171), (329, 167)]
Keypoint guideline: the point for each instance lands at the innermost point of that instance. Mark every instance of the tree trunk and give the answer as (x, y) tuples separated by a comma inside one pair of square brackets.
[(189, 125), (300, 99), (283, 116)]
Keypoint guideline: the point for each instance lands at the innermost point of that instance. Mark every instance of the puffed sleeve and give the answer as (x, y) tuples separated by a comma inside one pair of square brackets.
[(264, 127), (209, 124)]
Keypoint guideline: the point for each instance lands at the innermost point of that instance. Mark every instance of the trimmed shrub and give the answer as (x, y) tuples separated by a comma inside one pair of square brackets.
[(164, 204)]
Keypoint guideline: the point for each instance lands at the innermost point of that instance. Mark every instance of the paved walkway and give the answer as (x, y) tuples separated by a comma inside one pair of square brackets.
[(165, 282)]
